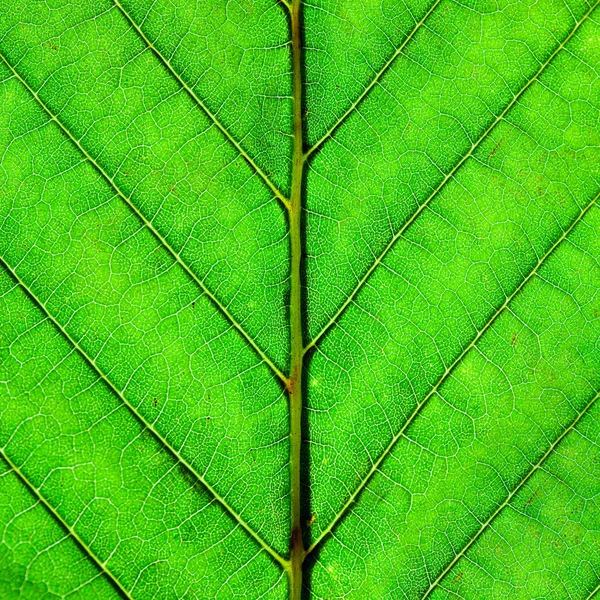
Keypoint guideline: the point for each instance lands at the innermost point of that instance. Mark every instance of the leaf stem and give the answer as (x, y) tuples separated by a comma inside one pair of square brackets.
[(297, 552)]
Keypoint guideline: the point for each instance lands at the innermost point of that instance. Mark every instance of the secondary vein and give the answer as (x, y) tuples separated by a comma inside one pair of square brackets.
[(163, 242), (510, 496), (593, 592), (375, 466), (443, 183), (278, 194), (147, 424), (92, 555), (374, 82)]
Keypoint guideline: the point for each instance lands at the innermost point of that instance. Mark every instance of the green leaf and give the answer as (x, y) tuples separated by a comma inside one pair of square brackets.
[(299, 298)]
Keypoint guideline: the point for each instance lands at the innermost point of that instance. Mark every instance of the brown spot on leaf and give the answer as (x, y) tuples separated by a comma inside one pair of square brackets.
[(495, 148), (532, 498), (291, 382)]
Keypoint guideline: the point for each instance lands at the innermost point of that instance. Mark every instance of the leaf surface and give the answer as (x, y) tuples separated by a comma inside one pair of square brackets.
[(299, 299)]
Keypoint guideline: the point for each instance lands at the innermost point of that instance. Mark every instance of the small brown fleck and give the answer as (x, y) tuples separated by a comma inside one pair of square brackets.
[(514, 338), (495, 148), (458, 577), (155, 402), (532, 498), (289, 386)]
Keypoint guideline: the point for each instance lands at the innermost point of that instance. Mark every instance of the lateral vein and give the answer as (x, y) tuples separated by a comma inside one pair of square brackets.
[(593, 592), (92, 555), (374, 82), (443, 183), (446, 374), (510, 496), (147, 424), (278, 194), (216, 302)]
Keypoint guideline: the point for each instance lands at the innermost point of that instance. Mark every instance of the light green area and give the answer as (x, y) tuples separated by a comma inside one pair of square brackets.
[(38, 557), (446, 156)]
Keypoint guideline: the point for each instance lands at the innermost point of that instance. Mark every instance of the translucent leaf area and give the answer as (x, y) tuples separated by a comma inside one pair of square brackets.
[(299, 299)]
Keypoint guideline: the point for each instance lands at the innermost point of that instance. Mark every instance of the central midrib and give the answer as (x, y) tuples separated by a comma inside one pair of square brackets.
[(297, 552)]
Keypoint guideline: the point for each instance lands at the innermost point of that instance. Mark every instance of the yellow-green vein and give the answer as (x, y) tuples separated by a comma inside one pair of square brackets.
[(216, 302), (443, 183), (102, 565), (374, 82), (510, 496), (147, 424), (203, 106), (375, 466)]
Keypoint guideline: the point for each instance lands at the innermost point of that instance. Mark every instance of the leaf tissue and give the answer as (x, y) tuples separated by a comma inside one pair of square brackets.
[(300, 299)]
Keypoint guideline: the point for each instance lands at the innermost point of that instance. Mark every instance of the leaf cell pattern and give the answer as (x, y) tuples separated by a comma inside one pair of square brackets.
[(299, 298)]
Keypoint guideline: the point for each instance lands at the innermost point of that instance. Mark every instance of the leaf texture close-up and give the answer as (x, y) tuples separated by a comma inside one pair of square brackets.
[(300, 299)]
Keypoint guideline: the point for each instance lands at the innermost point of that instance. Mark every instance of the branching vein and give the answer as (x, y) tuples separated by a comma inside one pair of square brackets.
[(88, 551), (375, 467), (163, 242), (373, 83), (593, 592), (443, 183), (147, 424), (509, 497), (278, 194)]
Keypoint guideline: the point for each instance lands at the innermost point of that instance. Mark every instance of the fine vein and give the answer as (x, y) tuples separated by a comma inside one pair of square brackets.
[(216, 302), (374, 82), (36, 492), (445, 375), (203, 106), (443, 183), (510, 496), (147, 424)]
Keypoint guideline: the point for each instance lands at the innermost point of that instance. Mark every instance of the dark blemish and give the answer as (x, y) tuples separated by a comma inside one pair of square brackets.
[(532, 498), (458, 577), (596, 313), (289, 385), (495, 148), (193, 304), (155, 402), (514, 338)]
